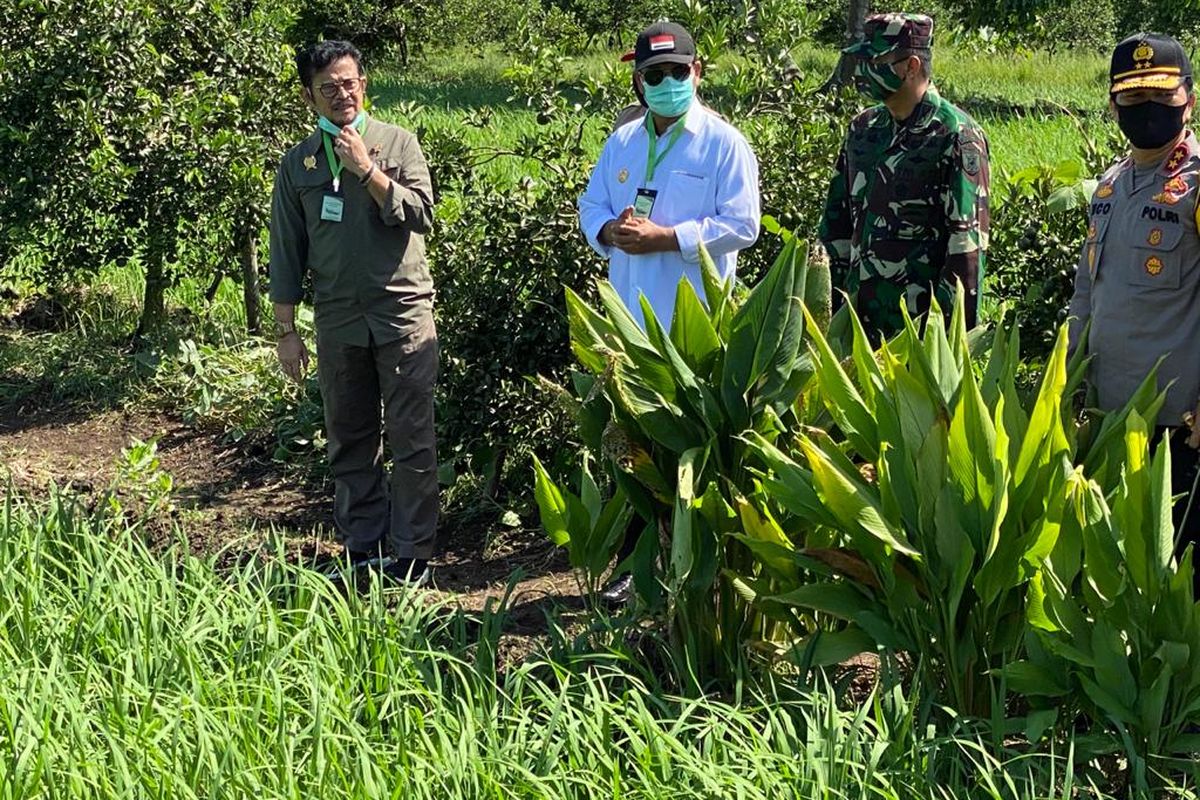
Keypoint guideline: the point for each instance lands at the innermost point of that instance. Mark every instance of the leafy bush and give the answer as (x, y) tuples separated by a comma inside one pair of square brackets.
[(674, 403), (166, 122), (1039, 221), (1117, 619), (380, 29), (500, 259)]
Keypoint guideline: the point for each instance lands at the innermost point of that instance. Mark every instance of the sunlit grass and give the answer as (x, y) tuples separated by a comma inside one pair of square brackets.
[(134, 675)]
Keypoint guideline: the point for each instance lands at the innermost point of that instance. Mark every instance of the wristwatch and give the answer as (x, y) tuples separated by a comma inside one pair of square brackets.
[(282, 329)]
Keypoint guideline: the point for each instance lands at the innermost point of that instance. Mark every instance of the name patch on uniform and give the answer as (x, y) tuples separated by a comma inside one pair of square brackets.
[(1160, 214), (1100, 209)]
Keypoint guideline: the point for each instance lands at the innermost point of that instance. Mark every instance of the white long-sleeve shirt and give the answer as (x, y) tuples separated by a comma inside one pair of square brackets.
[(707, 192)]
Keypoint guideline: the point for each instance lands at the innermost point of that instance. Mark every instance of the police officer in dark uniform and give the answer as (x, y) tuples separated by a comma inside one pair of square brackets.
[(1138, 280)]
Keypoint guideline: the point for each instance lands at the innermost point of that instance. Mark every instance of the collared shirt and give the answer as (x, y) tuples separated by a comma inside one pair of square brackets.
[(1138, 281), (907, 212), (369, 274), (707, 192)]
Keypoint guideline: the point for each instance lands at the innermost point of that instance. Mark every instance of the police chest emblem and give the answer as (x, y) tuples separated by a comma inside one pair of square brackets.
[(1172, 191), (1154, 265), (1104, 191), (1155, 237), (310, 163), (623, 175)]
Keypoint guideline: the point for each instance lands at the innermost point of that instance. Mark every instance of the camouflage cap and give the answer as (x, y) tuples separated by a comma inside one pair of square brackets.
[(884, 33)]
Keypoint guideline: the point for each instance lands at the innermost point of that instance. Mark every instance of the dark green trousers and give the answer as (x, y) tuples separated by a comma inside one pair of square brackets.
[(368, 391)]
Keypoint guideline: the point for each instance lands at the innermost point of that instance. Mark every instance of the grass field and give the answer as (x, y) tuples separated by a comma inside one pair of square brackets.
[(137, 675), (1014, 96)]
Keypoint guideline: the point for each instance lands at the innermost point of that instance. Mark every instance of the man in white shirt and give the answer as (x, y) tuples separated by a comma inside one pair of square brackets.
[(669, 181), (665, 183)]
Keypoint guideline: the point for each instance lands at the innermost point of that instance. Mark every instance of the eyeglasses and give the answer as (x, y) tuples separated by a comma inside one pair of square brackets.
[(330, 90), (654, 76)]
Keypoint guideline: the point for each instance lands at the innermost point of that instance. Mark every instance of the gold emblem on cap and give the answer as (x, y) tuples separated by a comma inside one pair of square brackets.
[(623, 175), (310, 163), (1104, 191), (1155, 237), (1143, 53), (1154, 265)]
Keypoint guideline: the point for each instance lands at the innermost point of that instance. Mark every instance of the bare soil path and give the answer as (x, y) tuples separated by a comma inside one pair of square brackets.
[(230, 497)]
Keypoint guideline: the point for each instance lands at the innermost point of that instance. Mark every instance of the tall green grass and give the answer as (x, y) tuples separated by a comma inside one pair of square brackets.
[(134, 675), (1013, 95)]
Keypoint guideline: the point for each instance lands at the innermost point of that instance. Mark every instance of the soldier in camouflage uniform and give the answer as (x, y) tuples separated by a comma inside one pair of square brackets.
[(907, 211)]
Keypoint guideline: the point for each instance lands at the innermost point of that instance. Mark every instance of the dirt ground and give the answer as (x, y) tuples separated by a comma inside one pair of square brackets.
[(229, 498)]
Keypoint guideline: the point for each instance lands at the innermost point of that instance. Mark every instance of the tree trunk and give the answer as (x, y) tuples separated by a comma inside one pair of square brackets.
[(843, 73), (154, 307), (248, 247), (210, 293)]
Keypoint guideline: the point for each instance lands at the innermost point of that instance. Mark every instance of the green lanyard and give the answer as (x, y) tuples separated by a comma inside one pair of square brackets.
[(335, 164), (653, 159)]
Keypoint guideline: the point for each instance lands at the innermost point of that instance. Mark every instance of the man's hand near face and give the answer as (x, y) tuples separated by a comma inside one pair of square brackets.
[(352, 150)]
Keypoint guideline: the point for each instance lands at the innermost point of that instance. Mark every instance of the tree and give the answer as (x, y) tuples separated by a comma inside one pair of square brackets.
[(843, 72), (135, 127)]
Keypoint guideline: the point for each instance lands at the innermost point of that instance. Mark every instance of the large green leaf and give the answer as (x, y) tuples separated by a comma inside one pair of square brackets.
[(823, 648), (552, 506), (842, 399), (692, 331), (971, 444), (716, 289), (594, 340), (757, 330), (1044, 441), (659, 419), (791, 485), (851, 502), (1034, 680), (683, 546), (781, 363), (837, 598), (695, 393)]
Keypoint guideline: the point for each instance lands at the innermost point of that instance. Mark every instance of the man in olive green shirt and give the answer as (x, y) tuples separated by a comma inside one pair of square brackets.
[(350, 208)]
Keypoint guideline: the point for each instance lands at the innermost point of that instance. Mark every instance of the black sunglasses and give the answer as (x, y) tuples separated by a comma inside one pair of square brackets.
[(654, 76)]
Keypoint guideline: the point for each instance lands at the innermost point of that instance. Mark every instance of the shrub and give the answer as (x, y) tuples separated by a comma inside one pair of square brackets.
[(135, 127), (669, 408)]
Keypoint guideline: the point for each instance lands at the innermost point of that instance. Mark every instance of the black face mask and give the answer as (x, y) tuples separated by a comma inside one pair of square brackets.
[(1149, 126)]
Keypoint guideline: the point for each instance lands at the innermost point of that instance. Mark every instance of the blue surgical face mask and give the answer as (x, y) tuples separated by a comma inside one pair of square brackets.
[(671, 98), (333, 129)]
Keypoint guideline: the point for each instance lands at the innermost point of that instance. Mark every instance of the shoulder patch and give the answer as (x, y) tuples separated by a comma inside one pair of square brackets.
[(971, 150), (970, 159)]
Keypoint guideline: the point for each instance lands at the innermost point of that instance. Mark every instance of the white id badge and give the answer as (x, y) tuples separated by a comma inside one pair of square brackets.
[(331, 208), (643, 204)]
